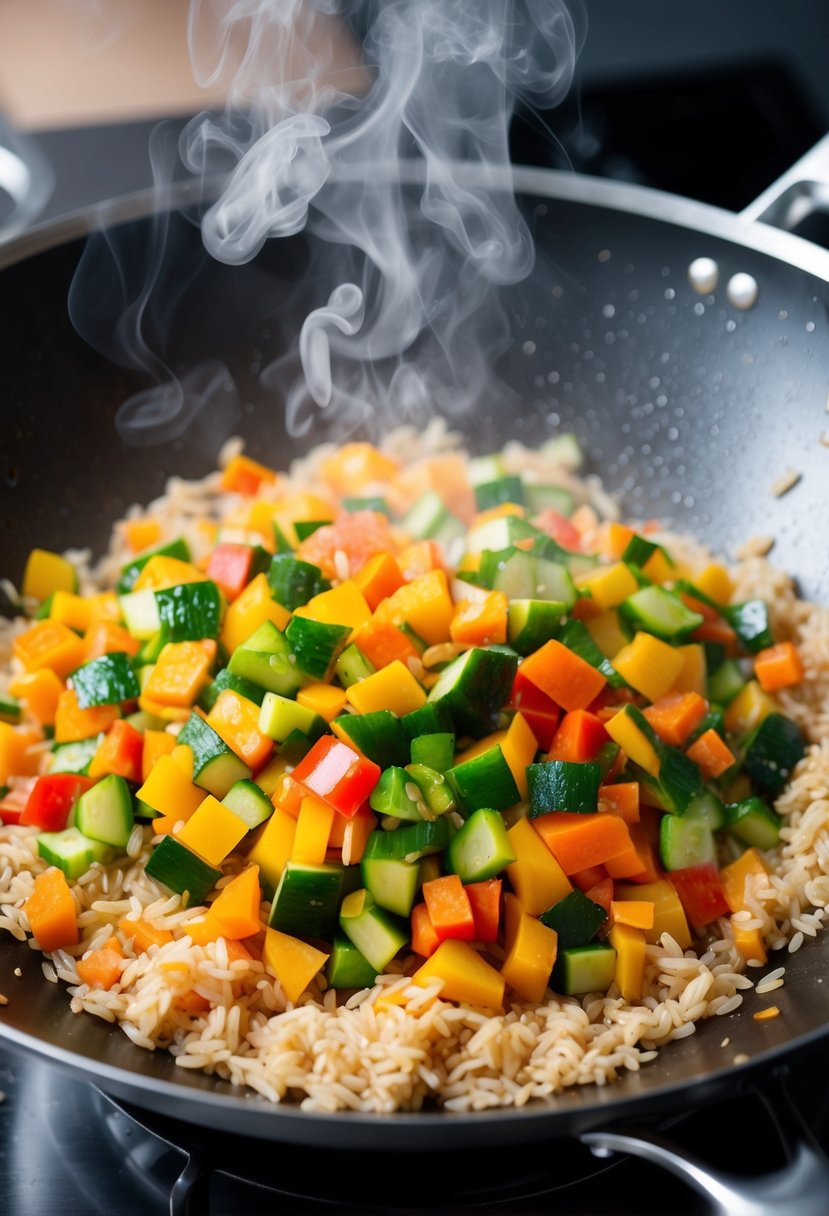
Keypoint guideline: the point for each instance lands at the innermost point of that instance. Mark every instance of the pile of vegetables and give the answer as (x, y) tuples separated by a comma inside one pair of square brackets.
[(482, 733)]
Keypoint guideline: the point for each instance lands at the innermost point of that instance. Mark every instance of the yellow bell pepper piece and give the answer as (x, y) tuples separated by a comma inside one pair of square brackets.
[(342, 605), (649, 665), (17, 757), (733, 877), (213, 831), (161, 572), (313, 829), (272, 847), (536, 877), (693, 676), (668, 913), (607, 632), (39, 691), (749, 942), (50, 644), (658, 568), (104, 607), (716, 583), (169, 790), (141, 533), (629, 944), (531, 949), (249, 610), (327, 700), (288, 511), (425, 605), (181, 672), (519, 747), (72, 610), (292, 961), (624, 731), (46, 572), (609, 585), (392, 687), (268, 777), (466, 977), (748, 709), (637, 913), (495, 739)]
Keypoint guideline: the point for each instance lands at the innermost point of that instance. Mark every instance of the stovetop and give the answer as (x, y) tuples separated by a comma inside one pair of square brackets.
[(67, 1148)]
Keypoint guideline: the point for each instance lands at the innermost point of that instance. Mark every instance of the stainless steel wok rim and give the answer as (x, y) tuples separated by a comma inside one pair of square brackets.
[(555, 184)]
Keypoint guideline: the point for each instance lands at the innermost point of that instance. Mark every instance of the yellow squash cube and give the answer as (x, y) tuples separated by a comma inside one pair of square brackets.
[(537, 878), (467, 978), (629, 944), (392, 687), (649, 665), (531, 949), (249, 610), (293, 962), (213, 831)]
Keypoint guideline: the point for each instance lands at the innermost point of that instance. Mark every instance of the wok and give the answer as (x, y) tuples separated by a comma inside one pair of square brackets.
[(688, 407)]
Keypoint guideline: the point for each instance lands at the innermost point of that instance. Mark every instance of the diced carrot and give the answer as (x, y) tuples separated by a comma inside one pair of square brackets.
[(39, 691), (613, 539), (565, 677), (699, 606), (181, 672), (49, 644), (485, 900), (242, 475), (143, 934), (712, 754), (379, 578), (638, 913), (102, 968), (236, 908), (778, 666), (191, 1002), (236, 719), (621, 798), (601, 893), (628, 862), (425, 940), (480, 622), (19, 754), (580, 737), (156, 743), (578, 841), (73, 723), (141, 533), (449, 908), (51, 913), (651, 870), (120, 751), (419, 558), (719, 632), (676, 715), (356, 465), (108, 637), (381, 641), (588, 877), (540, 711)]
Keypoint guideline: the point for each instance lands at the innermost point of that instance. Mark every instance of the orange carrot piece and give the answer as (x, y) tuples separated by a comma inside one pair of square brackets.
[(578, 841), (602, 893), (778, 666), (143, 934), (480, 622), (108, 637), (102, 968), (588, 877), (565, 677), (651, 869), (19, 756), (485, 900), (638, 913), (73, 723), (156, 743), (355, 465), (142, 533), (425, 940), (379, 578), (120, 751), (191, 1002), (236, 719), (50, 910), (236, 908), (718, 631), (242, 475), (419, 558), (381, 641), (676, 715), (621, 798), (39, 691), (712, 754), (580, 736), (449, 908), (49, 644), (613, 539), (182, 670)]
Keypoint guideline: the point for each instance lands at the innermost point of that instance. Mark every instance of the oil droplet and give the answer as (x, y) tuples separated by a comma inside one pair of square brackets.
[(703, 275), (742, 290), (528, 348)]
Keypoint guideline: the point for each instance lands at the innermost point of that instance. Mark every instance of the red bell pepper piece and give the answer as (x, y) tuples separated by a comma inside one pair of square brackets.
[(120, 751), (559, 528), (700, 893), (229, 566), (52, 798), (337, 774), (485, 899), (580, 737), (541, 712), (13, 802)]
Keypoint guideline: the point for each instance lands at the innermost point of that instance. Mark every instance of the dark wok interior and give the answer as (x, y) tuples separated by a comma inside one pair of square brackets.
[(687, 407)]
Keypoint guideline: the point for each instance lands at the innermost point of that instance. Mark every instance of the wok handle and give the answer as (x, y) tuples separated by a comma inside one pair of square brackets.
[(802, 190), (801, 1186)]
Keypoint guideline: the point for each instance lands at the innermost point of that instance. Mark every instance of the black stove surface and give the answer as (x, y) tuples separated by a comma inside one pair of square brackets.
[(67, 1148)]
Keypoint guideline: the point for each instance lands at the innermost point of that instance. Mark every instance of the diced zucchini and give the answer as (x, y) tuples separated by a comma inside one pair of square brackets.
[(372, 503), (428, 720), (73, 757), (474, 687), (347, 967), (575, 918), (392, 883), (249, 802), (436, 751), (753, 822), (709, 807), (215, 766), (484, 781), (279, 716), (150, 650), (771, 752), (294, 582), (685, 840), (638, 551), (563, 785), (72, 852), (531, 623), (507, 488), (660, 612), (435, 789), (141, 613), (577, 637), (582, 969), (190, 611), (377, 735), (107, 680), (227, 679), (10, 708), (265, 659), (316, 645), (129, 573), (352, 665), (543, 497), (179, 869), (398, 795), (104, 812), (725, 682), (564, 450), (307, 900), (499, 533), (483, 469), (414, 840), (481, 848), (750, 621), (426, 517), (377, 933), (307, 527)]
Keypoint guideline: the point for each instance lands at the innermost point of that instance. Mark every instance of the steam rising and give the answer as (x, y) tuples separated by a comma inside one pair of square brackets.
[(381, 129)]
